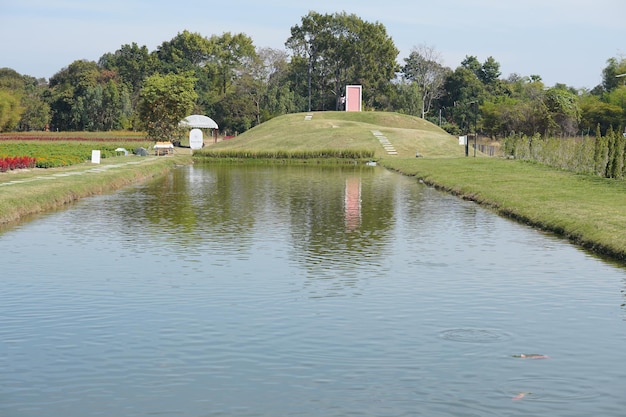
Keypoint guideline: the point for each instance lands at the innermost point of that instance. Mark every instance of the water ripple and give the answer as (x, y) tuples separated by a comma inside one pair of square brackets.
[(471, 335)]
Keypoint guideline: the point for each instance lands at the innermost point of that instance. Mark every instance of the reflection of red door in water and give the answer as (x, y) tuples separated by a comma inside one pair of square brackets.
[(353, 203), (353, 98)]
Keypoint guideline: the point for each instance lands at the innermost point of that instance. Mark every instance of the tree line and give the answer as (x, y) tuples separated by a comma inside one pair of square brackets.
[(240, 85)]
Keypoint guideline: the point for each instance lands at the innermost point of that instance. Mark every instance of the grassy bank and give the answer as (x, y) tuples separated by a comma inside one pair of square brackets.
[(27, 192), (585, 209)]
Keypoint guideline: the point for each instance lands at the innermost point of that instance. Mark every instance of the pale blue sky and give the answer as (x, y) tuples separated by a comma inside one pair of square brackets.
[(564, 41)]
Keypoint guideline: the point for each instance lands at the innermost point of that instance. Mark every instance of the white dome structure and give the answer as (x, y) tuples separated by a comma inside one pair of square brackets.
[(198, 121)]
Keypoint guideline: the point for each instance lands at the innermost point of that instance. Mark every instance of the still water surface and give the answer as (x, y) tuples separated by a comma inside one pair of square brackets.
[(294, 291)]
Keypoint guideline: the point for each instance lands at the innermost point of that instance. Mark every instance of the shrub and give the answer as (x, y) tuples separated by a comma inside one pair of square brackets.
[(16, 162)]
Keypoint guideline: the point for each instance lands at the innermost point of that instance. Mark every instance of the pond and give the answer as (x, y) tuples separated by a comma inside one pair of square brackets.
[(302, 291)]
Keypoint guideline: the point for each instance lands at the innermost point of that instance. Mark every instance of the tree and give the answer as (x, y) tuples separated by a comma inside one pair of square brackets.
[(133, 64), (10, 110), (183, 53), (229, 54), (164, 101), (564, 110), (407, 98), (617, 97), (463, 90), (279, 99), (72, 95), (339, 49), (489, 71), (614, 68), (304, 44), (264, 81), (34, 113), (471, 63), (369, 54), (600, 153), (596, 113), (423, 66), (83, 96), (493, 117)]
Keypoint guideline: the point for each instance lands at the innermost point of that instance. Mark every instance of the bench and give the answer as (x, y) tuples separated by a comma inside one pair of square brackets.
[(163, 148)]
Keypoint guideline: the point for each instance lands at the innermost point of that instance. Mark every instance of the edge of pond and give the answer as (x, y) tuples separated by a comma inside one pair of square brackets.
[(608, 250), (72, 188), (38, 191)]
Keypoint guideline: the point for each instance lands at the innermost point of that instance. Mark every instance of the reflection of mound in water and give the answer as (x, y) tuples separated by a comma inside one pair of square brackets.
[(474, 335)]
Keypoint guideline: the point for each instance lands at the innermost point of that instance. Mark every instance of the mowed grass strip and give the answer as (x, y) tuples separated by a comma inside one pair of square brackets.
[(588, 210)]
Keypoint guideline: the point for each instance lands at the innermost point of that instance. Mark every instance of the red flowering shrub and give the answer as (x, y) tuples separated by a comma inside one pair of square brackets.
[(16, 162)]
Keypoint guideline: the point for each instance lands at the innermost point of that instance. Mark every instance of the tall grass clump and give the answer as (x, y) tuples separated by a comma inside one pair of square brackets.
[(347, 154)]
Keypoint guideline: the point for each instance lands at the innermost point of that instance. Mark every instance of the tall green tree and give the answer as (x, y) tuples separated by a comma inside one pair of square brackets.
[(613, 74), (598, 113), (564, 111), (307, 48), (36, 114), (230, 53), (613, 163), (83, 96), (183, 53), (342, 49), (472, 63), (10, 110), (133, 64), (617, 97), (600, 153), (407, 99), (463, 92), (164, 101), (34, 111), (217, 64), (72, 94), (489, 72)]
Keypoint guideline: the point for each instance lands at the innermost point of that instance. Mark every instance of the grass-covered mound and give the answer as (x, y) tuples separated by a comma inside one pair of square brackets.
[(338, 135)]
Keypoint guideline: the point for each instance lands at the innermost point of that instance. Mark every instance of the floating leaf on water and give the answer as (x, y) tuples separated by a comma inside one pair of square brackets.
[(520, 396), (531, 356)]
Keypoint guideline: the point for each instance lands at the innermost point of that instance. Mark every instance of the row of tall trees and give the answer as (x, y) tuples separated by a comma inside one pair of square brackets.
[(240, 85), (474, 96)]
